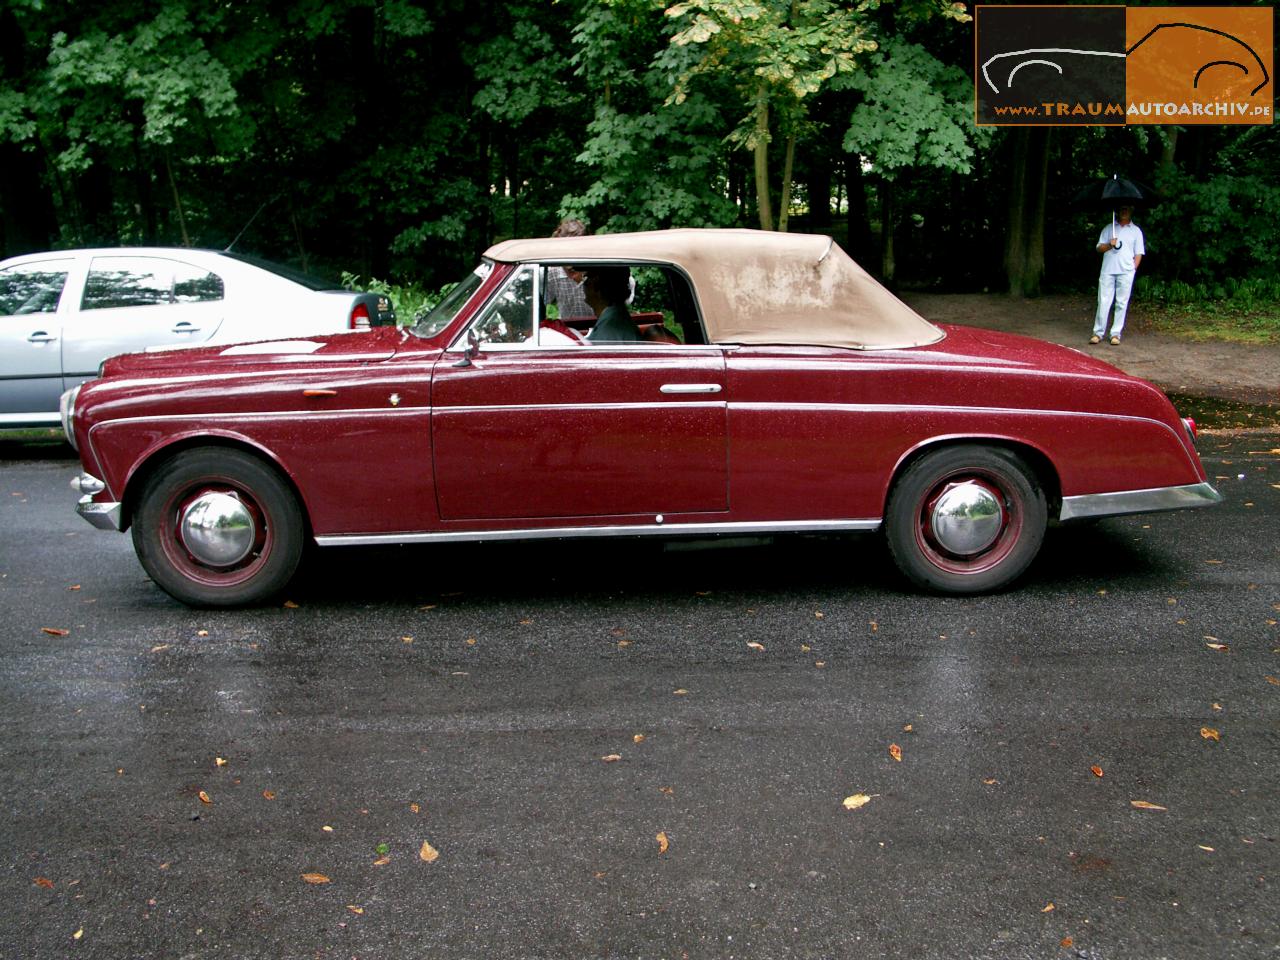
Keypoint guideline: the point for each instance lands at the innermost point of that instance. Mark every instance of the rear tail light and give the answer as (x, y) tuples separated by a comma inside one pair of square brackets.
[(359, 318), (1190, 425)]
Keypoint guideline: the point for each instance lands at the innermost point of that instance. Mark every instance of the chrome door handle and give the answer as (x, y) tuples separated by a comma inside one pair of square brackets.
[(690, 388), (185, 327), (40, 337)]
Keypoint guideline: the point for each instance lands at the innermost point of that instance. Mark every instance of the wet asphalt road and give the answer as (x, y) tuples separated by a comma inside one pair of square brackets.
[(464, 696)]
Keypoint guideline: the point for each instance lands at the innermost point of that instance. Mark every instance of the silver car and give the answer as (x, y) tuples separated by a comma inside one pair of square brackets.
[(63, 313)]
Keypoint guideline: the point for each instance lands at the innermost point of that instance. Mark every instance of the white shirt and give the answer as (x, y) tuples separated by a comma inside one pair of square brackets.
[(1121, 261)]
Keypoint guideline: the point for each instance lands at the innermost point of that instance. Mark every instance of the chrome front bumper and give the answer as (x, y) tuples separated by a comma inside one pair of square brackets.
[(104, 516), (1139, 501)]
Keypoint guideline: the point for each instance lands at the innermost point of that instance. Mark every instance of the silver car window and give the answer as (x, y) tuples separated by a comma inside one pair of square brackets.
[(128, 282), (32, 288)]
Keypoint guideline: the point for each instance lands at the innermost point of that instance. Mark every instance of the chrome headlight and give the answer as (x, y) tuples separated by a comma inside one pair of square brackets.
[(67, 413)]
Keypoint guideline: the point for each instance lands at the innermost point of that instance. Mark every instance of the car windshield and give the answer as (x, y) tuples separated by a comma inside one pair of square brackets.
[(431, 322)]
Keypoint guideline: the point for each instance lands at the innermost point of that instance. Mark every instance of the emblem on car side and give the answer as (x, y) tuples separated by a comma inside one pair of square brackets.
[(394, 399)]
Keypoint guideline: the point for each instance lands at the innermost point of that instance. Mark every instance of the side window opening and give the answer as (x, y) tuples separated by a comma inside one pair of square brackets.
[(509, 316), (34, 288)]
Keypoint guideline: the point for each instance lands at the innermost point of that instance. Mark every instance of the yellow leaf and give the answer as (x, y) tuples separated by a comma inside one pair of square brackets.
[(1049, 908), (315, 878), (681, 692), (1220, 647), (1146, 805), (895, 751), (1210, 734), (290, 605), (428, 853), (204, 797), (327, 829), (219, 762), (856, 801), (382, 861), (611, 758), (638, 738), (358, 911), (78, 934), (1204, 848), (663, 843)]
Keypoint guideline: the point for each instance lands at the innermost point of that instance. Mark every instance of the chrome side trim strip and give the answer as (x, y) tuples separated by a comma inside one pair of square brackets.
[(690, 388), (104, 516), (625, 530), (1139, 501), (39, 418)]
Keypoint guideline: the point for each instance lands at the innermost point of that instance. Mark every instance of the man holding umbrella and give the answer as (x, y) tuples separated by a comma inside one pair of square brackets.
[(1121, 246)]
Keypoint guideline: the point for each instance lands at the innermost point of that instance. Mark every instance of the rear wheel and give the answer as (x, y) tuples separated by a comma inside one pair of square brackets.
[(966, 519), (217, 527)]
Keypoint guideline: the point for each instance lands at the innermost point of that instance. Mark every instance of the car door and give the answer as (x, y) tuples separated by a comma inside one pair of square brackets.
[(31, 339), (527, 431), (132, 302)]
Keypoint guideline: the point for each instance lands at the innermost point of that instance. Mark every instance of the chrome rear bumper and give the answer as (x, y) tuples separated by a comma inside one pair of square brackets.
[(1139, 501)]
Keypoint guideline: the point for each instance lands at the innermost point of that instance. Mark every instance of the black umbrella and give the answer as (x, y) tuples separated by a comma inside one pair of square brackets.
[(1116, 191)]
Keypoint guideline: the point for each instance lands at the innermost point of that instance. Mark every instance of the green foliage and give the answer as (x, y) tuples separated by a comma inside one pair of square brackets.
[(916, 112)]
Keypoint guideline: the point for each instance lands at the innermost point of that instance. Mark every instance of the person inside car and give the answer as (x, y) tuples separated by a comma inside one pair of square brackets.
[(607, 290)]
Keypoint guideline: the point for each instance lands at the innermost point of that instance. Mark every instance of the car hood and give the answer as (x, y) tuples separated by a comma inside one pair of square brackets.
[(366, 346)]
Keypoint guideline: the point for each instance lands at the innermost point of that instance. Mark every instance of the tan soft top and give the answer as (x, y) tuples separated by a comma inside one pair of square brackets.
[(755, 286)]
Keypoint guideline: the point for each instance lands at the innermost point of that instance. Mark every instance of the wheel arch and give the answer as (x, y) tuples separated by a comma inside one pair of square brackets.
[(1036, 459), (156, 458)]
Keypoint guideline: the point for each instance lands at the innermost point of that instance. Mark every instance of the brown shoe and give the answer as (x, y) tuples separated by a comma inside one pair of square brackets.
[(1115, 341), (1095, 339)]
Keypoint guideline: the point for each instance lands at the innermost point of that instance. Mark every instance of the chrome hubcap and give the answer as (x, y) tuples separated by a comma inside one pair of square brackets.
[(967, 518), (217, 529)]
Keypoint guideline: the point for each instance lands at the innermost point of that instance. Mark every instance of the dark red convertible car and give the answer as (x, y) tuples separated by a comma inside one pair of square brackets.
[(771, 386)]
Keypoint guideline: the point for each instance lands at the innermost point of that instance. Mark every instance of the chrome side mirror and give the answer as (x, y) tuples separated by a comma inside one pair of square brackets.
[(471, 349)]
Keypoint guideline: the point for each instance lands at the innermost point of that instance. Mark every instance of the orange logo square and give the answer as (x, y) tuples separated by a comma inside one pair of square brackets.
[(1189, 65)]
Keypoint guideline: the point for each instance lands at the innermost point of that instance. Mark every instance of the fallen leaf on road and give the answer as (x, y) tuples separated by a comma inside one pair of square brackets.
[(1096, 770), (358, 911), (160, 647), (1049, 908), (382, 861), (44, 882), (895, 751), (315, 878), (204, 797), (1210, 734), (327, 829), (218, 761), (856, 801), (414, 808), (55, 631), (290, 605), (78, 934), (1146, 805), (268, 794), (756, 646), (428, 853), (611, 758), (638, 738), (663, 843), (202, 633), (1066, 943), (992, 782), (681, 692), (1220, 647), (1274, 681), (1204, 848)]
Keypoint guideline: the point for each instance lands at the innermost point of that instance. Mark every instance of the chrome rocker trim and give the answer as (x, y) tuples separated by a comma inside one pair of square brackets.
[(1139, 501), (657, 528)]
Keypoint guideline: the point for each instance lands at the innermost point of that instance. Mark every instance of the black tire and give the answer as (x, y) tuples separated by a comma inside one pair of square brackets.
[(916, 547), (278, 528)]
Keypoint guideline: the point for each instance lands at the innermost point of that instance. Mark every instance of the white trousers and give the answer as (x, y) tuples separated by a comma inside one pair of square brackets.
[(1112, 287)]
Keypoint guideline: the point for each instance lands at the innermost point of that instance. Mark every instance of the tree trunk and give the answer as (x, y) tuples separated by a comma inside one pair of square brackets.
[(784, 205), (763, 204), (888, 213), (1024, 252), (861, 242)]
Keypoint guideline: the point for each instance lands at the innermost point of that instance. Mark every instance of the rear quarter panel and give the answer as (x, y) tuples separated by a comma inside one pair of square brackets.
[(818, 432)]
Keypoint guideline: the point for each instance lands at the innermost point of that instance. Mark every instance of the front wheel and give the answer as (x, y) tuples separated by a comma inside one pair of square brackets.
[(966, 519), (217, 527)]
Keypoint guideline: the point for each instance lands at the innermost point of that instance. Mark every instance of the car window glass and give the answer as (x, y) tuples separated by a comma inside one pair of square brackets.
[(431, 322), (509, 316), (128, 282), (32, 288), (192, 284)]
